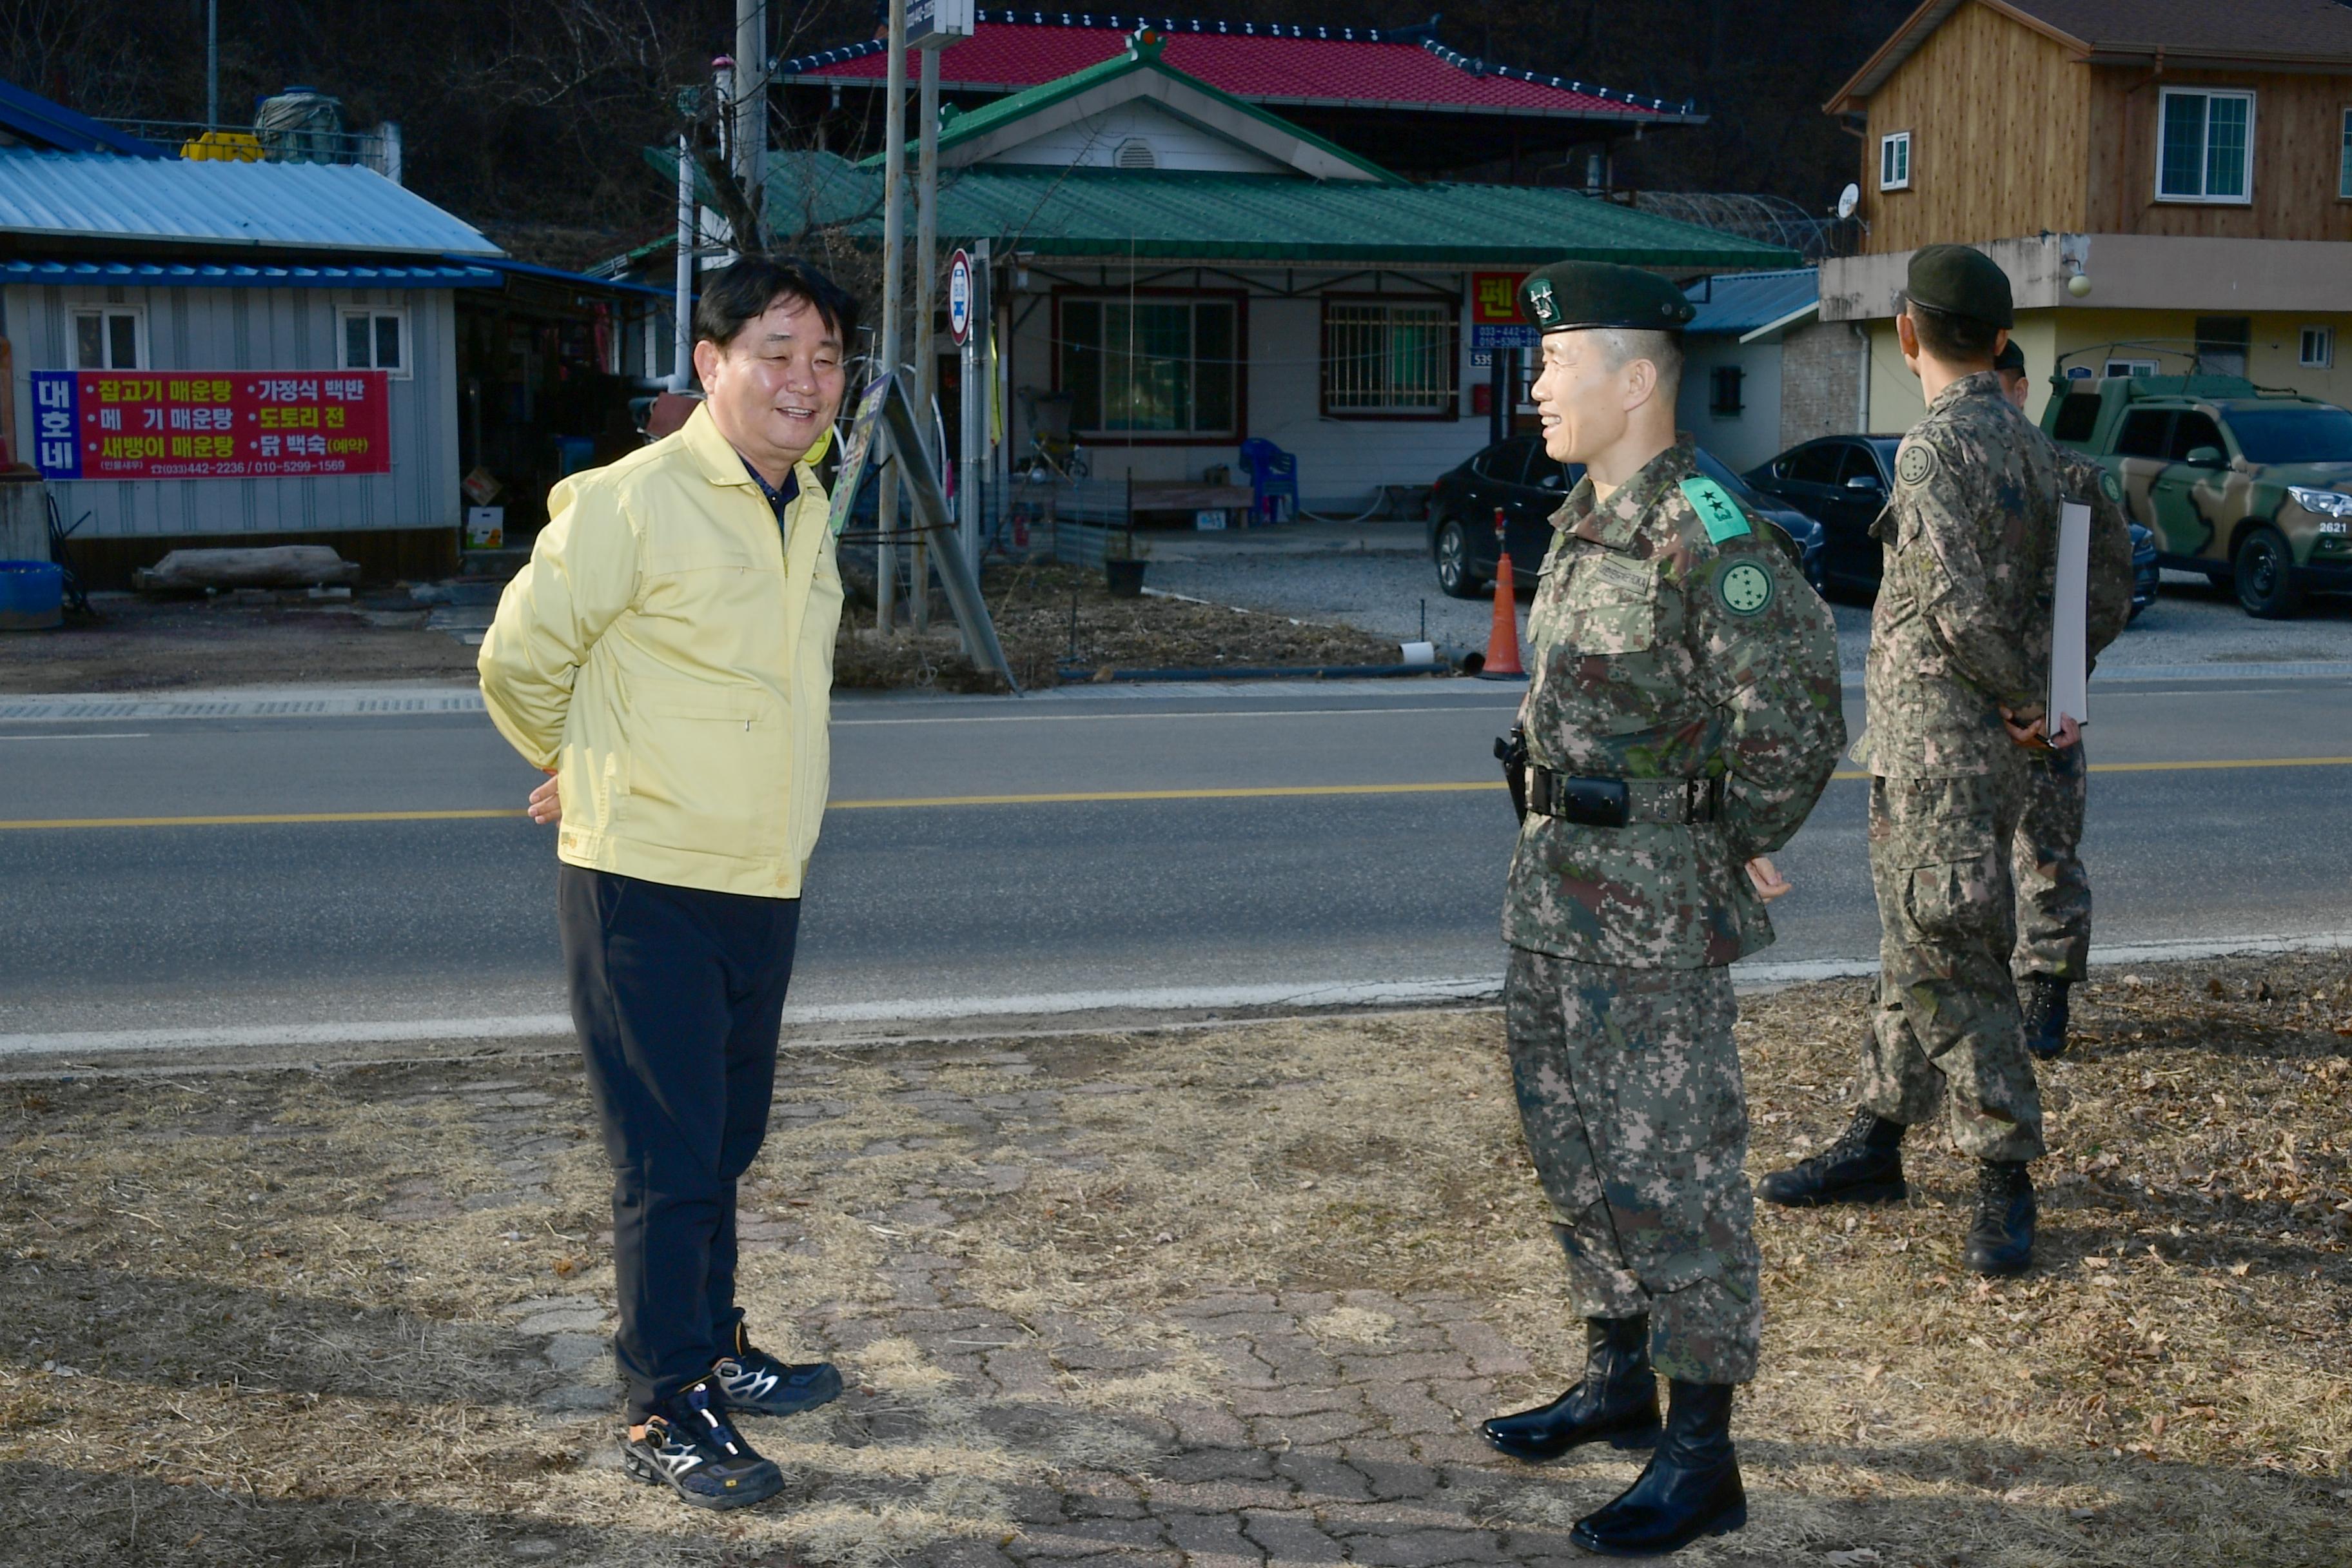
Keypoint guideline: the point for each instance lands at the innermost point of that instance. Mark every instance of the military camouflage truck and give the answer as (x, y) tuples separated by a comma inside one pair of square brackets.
[(2250, 487)]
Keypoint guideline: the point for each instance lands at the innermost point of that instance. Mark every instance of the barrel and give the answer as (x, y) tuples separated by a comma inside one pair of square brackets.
[(32, 596)]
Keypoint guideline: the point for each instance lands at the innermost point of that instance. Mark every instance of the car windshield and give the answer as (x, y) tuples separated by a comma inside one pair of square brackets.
[(2293, 435)]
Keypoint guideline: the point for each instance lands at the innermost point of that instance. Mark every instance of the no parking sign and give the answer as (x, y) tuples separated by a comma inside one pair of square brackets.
[(959, 296)]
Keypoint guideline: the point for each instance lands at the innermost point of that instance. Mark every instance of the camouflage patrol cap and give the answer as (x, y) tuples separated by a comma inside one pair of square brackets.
[(1576, 296), (2011, 360), (1961, 280)]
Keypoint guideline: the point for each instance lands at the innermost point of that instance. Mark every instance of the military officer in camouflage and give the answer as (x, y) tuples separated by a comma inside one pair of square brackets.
[(2054, 892), (1681, 718), (1956, 683)]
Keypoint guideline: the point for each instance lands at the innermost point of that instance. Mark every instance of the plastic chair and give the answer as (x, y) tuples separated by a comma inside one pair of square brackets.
[(1274, 479)]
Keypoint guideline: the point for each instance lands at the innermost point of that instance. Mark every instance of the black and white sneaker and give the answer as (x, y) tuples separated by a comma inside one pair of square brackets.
[(689, 1447), (751, 1380)]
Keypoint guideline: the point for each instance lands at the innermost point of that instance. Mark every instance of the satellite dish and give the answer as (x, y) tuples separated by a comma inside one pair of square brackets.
[(1849, 199)]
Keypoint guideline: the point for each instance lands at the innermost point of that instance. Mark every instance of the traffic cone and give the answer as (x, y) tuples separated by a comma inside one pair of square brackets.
[(1503, 642)]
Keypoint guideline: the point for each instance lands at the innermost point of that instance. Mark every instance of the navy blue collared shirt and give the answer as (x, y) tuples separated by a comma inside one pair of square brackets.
[(778, 498)]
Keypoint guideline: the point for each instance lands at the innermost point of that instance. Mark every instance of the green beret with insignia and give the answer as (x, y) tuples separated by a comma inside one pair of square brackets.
[(1577, 295), (1961, 280)]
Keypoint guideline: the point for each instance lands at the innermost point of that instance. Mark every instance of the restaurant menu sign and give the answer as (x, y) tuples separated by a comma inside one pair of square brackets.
[(209, 425)]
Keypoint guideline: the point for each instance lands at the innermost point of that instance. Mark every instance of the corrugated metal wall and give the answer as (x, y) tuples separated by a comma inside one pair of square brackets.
[(259, 328)]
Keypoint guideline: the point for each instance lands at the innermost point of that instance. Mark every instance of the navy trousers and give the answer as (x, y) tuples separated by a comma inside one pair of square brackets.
[(679, 997)]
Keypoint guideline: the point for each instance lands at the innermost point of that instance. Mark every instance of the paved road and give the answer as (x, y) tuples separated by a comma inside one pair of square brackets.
[(913, 906)]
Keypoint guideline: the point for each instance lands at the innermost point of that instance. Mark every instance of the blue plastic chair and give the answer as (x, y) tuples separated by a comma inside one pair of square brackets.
[(1274, 479)]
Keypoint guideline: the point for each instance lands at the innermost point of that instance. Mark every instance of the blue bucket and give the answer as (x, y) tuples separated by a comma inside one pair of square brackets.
[(32, 596)]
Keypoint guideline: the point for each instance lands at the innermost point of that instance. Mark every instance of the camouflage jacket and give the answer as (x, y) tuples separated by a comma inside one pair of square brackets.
[(2089, 481), (1663, 649), (1962, 622)]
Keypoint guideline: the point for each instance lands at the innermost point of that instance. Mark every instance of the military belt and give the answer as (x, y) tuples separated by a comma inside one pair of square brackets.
[(1618, 803)]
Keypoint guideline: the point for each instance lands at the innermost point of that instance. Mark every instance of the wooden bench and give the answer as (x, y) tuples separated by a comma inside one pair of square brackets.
[(1188, 496)]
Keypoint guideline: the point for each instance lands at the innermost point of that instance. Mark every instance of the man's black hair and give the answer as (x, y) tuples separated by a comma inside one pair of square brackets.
[(1955, 338), (744, 291)]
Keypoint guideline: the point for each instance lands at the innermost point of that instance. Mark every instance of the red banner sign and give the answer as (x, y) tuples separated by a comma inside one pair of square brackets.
[(210, 424), (1495, 299)]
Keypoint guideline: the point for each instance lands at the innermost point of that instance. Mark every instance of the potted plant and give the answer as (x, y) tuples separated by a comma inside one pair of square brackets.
[(1123, 562)]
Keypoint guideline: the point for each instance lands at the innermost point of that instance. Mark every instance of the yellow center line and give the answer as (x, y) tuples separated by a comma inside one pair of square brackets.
[(1065, 797)]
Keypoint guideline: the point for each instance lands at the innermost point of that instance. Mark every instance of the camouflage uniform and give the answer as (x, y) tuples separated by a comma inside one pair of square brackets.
[(1661, 652), (1961, 627), (2054, 892)]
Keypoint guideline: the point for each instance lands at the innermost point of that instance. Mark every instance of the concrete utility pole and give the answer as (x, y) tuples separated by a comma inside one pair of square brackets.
[(751, 113), (681, 369), (212, 65), (927, 279), (894, 266)]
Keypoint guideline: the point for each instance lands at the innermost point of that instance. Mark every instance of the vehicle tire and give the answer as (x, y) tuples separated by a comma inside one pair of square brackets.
[(1455, 576), (2263, 571)]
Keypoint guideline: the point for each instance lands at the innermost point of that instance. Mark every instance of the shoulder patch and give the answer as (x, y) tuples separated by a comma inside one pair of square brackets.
[(2109, 486), (1744, 585), (1718, 511), (1917, 465)]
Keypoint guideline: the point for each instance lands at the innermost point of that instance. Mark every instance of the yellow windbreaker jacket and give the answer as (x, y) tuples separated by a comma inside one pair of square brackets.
[(668, 651)]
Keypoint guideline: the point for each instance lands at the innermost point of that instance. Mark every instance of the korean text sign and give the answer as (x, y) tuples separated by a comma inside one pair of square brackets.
[(209, 425)]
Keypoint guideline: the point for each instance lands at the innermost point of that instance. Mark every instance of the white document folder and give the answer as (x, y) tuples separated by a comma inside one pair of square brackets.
[(2070, 661)]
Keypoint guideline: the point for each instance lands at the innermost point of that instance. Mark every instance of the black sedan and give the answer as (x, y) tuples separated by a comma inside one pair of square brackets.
[(1526, 484), (1843, 483)]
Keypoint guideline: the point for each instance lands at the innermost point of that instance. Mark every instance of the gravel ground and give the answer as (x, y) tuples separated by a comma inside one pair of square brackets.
[(2190, 623)]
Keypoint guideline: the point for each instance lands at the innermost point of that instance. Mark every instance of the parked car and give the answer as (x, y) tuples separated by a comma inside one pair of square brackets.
[(1843, 482), (1519, 478), (2250, 487)]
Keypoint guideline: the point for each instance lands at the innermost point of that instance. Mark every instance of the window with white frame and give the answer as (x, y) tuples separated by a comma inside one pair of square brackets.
[(113, 337), (2318, 350), (1395, 359), (376, 339), (1895, 162), (2205, 146), (1152, 365)]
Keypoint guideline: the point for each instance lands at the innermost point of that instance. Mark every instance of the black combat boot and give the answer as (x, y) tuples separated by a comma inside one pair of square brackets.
[(1863, 1166), (1617, 1399), (2042, 1000), (1691, 1486), (2001, 1239)]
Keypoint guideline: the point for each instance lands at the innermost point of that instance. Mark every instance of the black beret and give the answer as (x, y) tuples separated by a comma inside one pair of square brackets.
[(2011, 358), (1963, 281), (1571, 296)]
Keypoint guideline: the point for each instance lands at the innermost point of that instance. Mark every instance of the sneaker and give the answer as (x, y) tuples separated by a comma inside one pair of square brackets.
[(752, 1380), (689, 1447), (1863, 1166)]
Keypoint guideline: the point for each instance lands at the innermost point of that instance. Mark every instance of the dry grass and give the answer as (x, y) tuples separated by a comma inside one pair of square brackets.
[(1031, 608), (288, 1317), (154, 645)]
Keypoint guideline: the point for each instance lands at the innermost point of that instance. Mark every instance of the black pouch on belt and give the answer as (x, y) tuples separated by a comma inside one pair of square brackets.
[(1594, 803)]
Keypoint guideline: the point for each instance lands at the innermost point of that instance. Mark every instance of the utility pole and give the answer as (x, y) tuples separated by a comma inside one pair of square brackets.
[(681, 369), (750, 110), (212, 65), (894, 264), (927, 279)]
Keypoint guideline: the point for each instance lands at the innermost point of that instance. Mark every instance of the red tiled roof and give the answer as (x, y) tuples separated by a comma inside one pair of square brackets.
[(1265, 63)]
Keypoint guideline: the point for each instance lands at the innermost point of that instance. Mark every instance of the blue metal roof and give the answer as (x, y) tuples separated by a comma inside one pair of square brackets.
[(1737, 303), (581, 279), (289, 207), (35, 119), (183, 275)]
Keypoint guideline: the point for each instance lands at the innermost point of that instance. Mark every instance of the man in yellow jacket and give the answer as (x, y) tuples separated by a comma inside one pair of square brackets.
[(668, 656)]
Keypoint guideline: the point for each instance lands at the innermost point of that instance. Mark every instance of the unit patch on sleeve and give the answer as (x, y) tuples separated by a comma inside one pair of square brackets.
[(1917, 463), (2111, 487), (1718, 511), (1745, 587)]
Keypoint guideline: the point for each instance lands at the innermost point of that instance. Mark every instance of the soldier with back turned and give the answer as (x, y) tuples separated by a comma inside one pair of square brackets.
[(1956, 687), (1681, 719)]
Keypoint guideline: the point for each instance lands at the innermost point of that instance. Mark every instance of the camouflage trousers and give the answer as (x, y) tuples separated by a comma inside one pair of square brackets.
[(1946, 1024), (1635, 1114), (2054, 892)]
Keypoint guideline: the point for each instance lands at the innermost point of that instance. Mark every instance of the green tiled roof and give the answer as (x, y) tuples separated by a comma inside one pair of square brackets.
[(1165, 215)]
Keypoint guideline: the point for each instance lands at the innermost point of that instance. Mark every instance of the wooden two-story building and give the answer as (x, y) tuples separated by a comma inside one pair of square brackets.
[(2163, 180)]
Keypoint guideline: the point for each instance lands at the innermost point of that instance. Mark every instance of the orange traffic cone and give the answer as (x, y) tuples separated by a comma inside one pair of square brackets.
[(1503, 642)]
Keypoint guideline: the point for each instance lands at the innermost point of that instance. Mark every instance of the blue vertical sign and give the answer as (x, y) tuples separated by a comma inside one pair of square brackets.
[(57, 423)]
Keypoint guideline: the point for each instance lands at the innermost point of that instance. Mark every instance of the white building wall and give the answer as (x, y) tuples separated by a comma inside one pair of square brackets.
[(258, 329), (1739, 440), (1340, 461), (1175, 142)]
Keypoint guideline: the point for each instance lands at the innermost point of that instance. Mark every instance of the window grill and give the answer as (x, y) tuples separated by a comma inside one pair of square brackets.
[(1387, 358), (1723, 389)]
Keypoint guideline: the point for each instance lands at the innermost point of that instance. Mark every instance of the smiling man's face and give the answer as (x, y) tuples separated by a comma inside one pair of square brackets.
[(1579, 398), (775, 387)]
